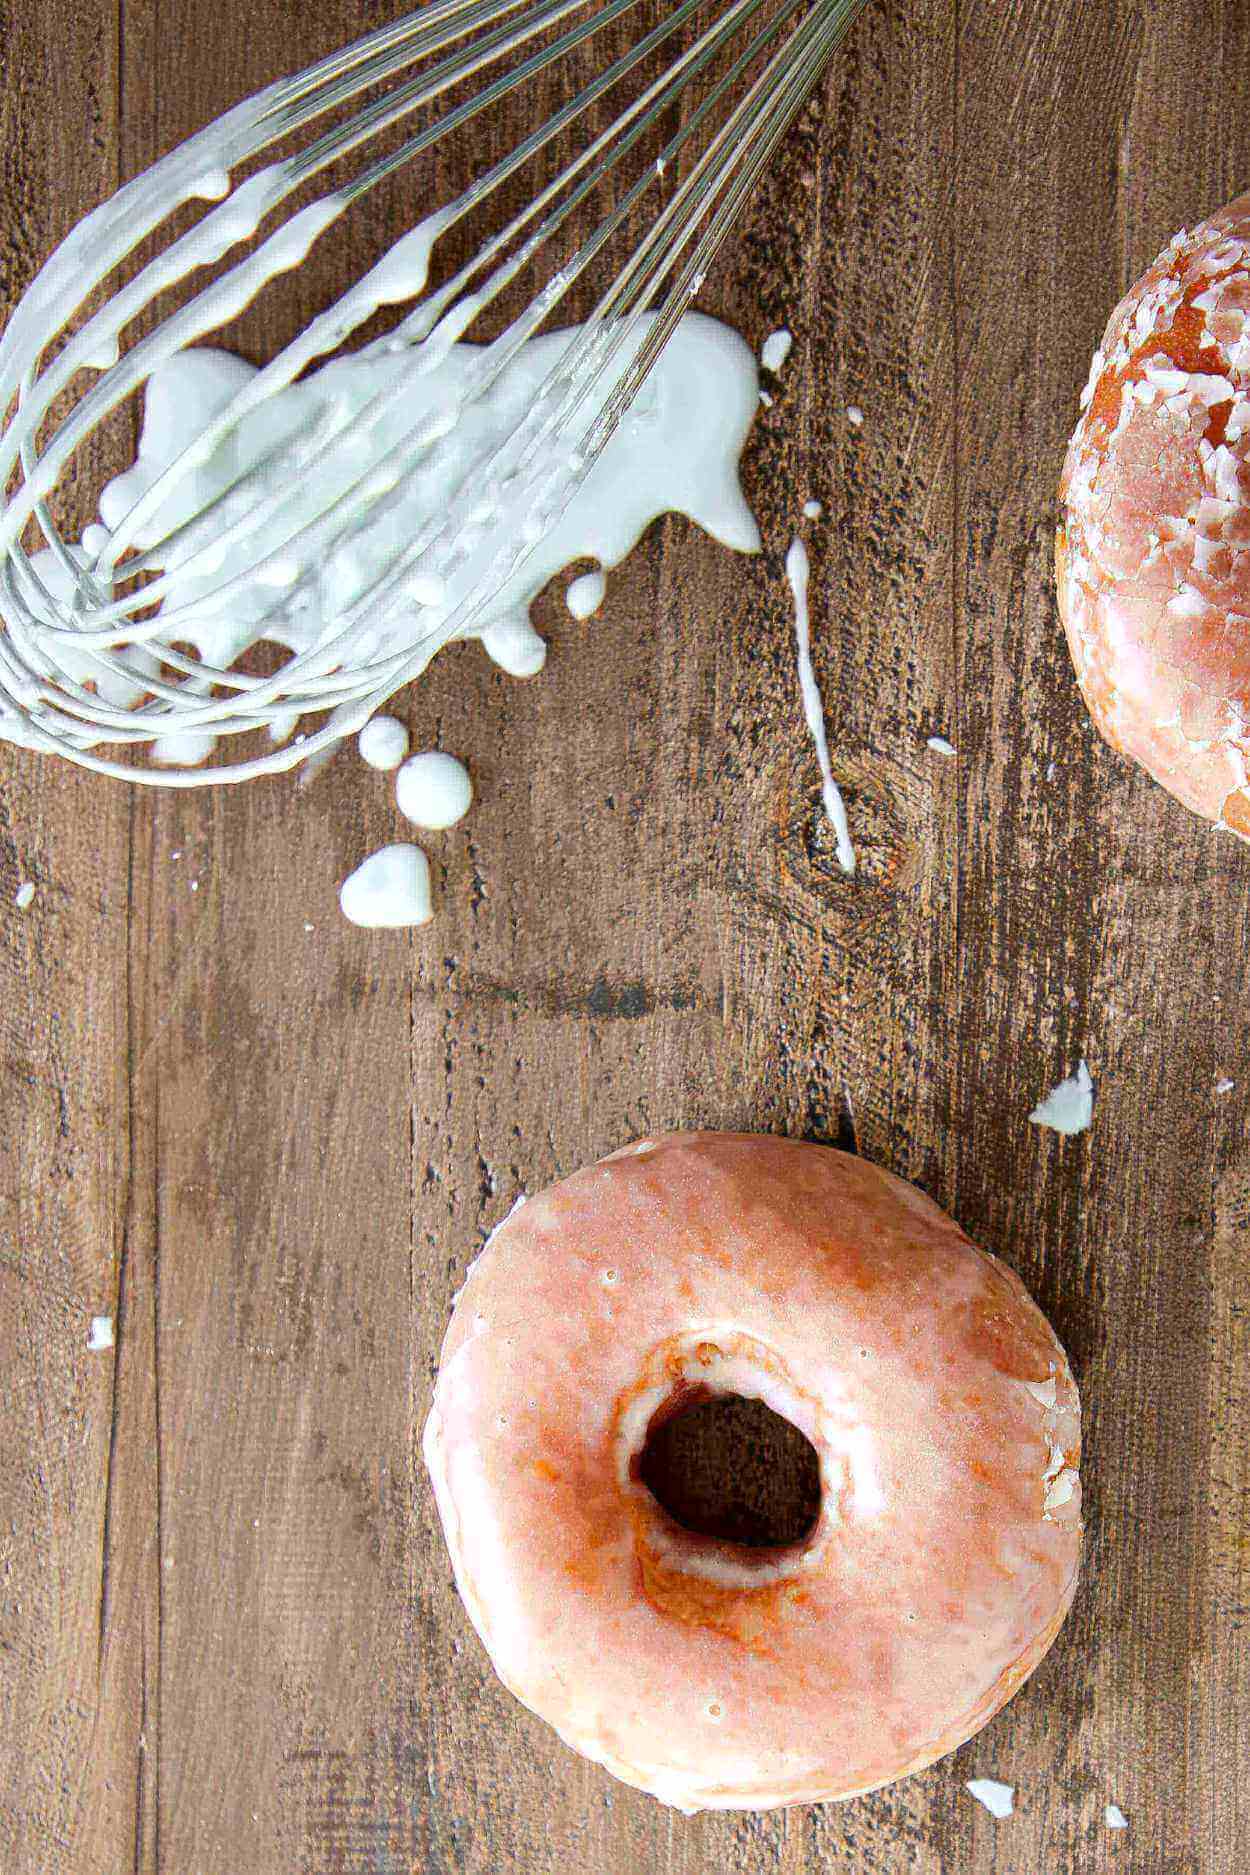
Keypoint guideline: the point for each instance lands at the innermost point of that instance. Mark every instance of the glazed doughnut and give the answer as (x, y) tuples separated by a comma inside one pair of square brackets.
[(941, 1409), (1153, 568)]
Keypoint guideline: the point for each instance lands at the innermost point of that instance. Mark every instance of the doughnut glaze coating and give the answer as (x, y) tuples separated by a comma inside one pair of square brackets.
[(938, 1400), (1153, 556)]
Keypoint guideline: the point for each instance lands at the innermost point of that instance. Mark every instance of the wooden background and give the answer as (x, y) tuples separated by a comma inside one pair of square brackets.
[(228, 1640)]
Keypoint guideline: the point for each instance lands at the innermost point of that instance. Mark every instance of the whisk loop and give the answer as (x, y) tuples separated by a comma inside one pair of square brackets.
[(90, 653)]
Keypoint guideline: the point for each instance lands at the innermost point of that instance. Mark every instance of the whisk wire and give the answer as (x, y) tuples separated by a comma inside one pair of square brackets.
[(334, 324), (98, 661), (212, 307)]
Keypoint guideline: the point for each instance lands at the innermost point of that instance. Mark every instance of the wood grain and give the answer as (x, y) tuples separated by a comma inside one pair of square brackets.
[(229, 1644)]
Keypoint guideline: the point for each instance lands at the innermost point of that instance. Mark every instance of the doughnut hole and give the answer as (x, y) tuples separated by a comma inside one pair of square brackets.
[(724, 1466)]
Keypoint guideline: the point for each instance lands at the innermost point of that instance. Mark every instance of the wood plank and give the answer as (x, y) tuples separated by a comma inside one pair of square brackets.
[(273, 1047), (64, 1149), (1096, 918), (652, 829)]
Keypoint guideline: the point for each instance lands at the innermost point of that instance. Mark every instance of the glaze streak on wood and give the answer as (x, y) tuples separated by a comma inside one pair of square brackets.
[(228, 1639)]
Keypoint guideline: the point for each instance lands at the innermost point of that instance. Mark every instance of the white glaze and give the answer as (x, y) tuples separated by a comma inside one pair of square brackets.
[(101, 1335), (24, 897), (998, 1799), (396, 439), (586, 594), (1068, 1108), (776, 349), (797, 572), (383, 742), (389, 889), (433, 790)]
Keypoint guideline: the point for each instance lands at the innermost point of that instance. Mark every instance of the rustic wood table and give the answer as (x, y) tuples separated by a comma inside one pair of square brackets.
[(268, 1143)]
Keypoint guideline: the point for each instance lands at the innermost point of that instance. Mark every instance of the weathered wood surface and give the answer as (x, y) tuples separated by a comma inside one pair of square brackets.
[(228, 1642)]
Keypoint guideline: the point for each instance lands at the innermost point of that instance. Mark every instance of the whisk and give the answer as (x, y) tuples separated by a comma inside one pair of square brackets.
[(93, 651)]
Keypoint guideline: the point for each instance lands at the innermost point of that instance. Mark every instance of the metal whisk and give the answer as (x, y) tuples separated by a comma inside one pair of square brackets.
[(90, 648)]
